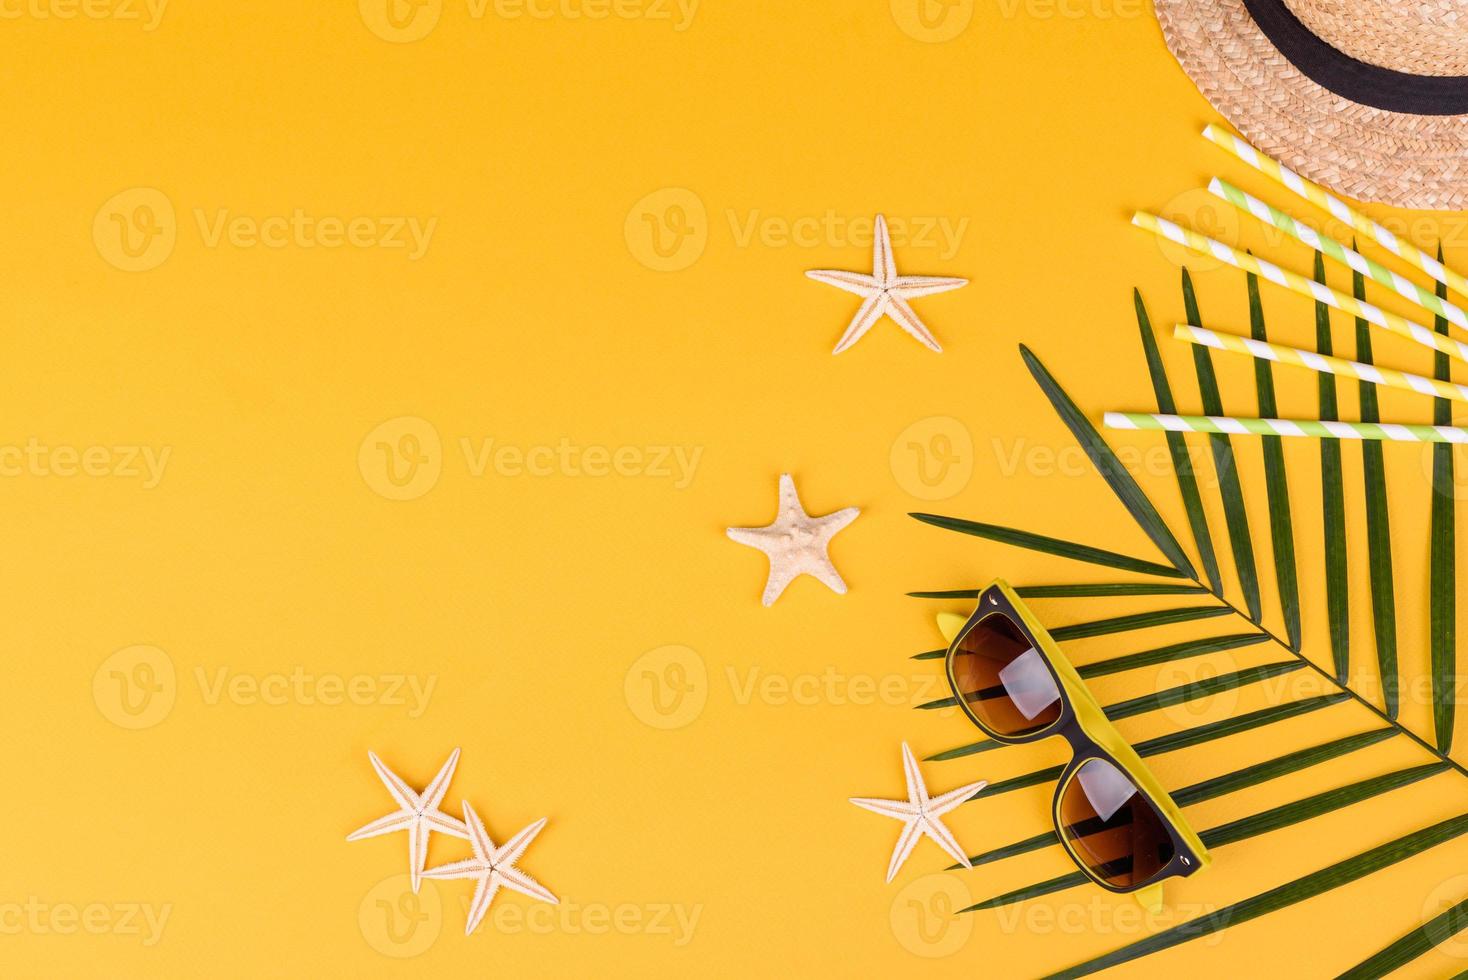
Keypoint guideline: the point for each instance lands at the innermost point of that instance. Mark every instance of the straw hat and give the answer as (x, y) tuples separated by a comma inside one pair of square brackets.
[(1369, 97)]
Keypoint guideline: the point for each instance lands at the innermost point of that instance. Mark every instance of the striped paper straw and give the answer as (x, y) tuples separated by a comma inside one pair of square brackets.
[(1323, 363), (1276, 218), (1301, 284), (1223, 424), (1340, 210)]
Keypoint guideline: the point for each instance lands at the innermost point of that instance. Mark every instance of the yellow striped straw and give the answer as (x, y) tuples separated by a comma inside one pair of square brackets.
[(1323, 363), (1301, 284), (1340, 210), (1308, 428)]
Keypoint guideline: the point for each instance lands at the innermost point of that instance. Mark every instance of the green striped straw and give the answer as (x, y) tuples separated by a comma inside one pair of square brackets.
[(1227, 425), (1399, 284)]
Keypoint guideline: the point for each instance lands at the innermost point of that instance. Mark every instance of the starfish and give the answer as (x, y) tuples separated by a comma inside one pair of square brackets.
[(493, 866), (796, 543), (419, 814), (885, 293), (920, 814)]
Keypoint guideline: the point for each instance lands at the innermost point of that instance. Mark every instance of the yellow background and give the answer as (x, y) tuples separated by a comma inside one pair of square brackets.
[(539, 314)]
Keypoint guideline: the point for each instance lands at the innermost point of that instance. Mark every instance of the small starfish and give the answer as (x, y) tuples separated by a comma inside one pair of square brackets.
[(885, 292), (419, 814), (920, 815), (796, 543), (491, 867)]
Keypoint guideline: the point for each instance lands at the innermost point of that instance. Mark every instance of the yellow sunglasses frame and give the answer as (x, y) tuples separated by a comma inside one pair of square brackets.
[(1080, 715)]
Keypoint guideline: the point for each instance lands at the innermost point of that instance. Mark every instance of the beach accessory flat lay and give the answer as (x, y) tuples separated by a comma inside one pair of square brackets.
[(796, 543), (1369, 97), (1114, 819), (1357, 673), (921, 814), (885, 293)]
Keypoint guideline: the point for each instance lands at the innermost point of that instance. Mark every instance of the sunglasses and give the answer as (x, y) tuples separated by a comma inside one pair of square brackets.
[(1114, 818)]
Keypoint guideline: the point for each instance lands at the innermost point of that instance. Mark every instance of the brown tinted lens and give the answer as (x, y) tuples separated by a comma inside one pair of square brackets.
[(1112, 826), (1004, 679)]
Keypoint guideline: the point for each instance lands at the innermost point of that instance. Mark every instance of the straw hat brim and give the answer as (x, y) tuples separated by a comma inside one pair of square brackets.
[(1406, 160)]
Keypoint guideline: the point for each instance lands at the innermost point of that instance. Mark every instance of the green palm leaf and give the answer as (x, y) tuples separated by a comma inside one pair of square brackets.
[(1097, 591), (1173, 741), (1049, 546), (1333, 502), (1317, 883), (1420, 940), (1240, 828), (1138, 621), (1443, 580), (1261, 823), (1111, 469), (1378, 524), (1281, 527), (1177, 445), (1173, 695), (1235, 516)]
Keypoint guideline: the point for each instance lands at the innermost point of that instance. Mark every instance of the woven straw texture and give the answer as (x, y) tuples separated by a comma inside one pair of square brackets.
[(1420, 37), (1364, 153)]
